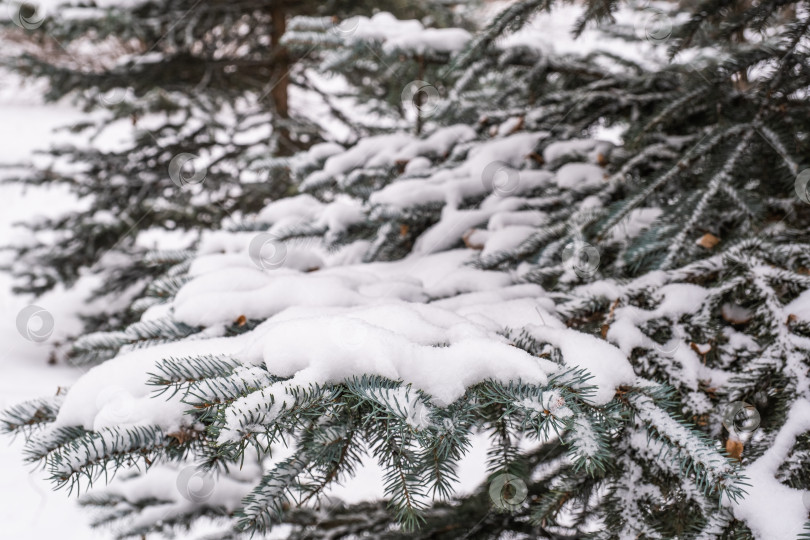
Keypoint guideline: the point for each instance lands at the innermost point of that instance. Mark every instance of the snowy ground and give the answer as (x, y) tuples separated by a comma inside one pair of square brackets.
[(28, 507)]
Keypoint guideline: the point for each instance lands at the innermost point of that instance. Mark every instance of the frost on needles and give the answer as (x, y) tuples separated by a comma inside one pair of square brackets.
[(581, 312)]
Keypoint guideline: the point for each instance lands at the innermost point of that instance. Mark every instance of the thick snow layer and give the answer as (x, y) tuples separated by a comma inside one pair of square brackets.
[(370, 152), (404, 36), (589, 149), (455, 223), (381, 26), (446, 40), (437, 144), (299, 207), (551, 32), (417, 164), (580, 176), (532, 218), (227, 286), (608, 365), (115, 393), (506, 238), (219, 297), (375, 318), (398, 342), (772, 509), (473, 178), (338, 216)]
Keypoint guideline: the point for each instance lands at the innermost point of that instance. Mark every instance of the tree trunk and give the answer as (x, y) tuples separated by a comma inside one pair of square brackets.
[(281, 82)]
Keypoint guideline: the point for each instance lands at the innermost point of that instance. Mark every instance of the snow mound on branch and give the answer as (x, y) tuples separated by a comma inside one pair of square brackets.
[(577, 149), (772, 509), (438, 143), (580, 176), (224, 295), (445, 40), (607, 364), (381, 26), (452, 226), (369, 152), (226, 286), (303, 206), (115, 393), (430, 348), (473, 178), (427, 347), (409, 35), (385, 151), (506, 238)]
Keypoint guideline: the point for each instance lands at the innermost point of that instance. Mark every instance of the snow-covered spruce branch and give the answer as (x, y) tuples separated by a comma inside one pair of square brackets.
[(711, 140), (714, 185), (266, 503), (211, 392), (404, 430), (93, 453), (175, 374), (714, 473), (42, 443), (654, 451), (30, 415), (99, 346)]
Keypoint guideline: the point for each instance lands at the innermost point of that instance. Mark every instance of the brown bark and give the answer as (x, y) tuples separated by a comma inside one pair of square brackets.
[(281, 69)]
